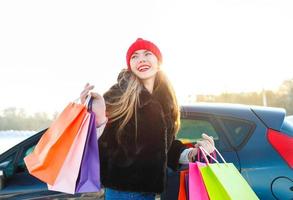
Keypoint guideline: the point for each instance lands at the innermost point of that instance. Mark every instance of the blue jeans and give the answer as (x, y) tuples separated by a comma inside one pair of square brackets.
[(112, 194)]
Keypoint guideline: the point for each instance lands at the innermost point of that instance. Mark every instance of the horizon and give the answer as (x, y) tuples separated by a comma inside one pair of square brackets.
[(189, 100)]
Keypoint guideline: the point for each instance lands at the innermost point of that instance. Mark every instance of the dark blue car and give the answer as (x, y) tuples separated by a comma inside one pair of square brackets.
[(258, 140)]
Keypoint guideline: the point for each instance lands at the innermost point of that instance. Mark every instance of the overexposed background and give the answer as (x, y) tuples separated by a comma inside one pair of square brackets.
[(50, 49)]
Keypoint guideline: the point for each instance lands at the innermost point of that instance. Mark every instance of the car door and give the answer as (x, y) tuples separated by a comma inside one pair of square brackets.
[(17, 178), (194, 124), (19, 184)]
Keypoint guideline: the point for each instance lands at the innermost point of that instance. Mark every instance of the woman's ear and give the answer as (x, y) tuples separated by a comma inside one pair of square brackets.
[(159, 66)]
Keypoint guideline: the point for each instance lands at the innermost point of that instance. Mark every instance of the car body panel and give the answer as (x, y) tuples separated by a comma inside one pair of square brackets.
[(272, 117)]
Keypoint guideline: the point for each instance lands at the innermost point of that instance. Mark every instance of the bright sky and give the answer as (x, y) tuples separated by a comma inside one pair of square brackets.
[(50, 49)]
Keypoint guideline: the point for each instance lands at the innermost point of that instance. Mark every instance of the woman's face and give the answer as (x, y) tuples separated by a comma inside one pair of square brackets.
[(144, 64)]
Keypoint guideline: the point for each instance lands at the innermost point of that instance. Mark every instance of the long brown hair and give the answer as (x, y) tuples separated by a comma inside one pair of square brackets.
[(124, 105)]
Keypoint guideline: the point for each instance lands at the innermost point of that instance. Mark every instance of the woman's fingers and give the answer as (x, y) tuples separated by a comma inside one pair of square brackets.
[(192, 154), (87, 88), (96, 95), (85, 92), (86, 85), (208, 138), (206, 145)]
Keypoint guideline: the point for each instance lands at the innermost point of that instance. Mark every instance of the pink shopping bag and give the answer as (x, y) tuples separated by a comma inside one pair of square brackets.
[(67, 176), (197, 189)]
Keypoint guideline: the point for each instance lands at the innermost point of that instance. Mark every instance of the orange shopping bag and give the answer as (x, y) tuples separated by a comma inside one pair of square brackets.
[(49, 154), (183, 195)]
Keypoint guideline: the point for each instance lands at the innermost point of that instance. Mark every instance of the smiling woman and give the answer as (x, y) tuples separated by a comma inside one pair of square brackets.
[(144, 63), (138, 140)]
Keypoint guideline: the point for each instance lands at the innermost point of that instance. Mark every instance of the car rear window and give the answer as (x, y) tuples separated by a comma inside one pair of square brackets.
[(287, 127), (238, 130)]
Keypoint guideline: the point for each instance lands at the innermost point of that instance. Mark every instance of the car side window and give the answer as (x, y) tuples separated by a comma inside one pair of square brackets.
[(192, 129), (238, 130), (8, 166), (21, 165), (193, 125)]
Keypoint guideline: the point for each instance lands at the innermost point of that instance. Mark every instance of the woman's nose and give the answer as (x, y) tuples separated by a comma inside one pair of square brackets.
[(142, 59)]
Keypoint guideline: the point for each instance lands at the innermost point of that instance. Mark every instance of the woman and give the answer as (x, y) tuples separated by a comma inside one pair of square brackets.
[(139, 120)]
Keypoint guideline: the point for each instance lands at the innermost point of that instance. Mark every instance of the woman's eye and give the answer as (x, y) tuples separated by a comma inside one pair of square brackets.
[(148, 53), (133, 57)]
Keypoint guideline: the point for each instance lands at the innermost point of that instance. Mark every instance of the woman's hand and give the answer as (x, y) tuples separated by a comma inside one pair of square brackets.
[(85, 92), (207, 142), (98, 104), (192, 154)]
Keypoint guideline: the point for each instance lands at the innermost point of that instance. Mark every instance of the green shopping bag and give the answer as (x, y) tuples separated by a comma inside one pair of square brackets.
[(223, 181)]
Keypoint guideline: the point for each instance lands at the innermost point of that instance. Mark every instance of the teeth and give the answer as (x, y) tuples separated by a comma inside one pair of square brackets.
[(143, 68)]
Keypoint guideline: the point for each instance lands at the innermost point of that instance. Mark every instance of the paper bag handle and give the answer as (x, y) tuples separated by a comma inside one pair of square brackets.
[(205, 153)]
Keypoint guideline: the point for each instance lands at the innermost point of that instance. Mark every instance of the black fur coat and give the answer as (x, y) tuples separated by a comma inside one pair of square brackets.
[(140, 166)]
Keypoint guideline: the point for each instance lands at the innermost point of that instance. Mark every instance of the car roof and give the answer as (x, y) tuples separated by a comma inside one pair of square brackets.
[(271, 117), (215, 108)]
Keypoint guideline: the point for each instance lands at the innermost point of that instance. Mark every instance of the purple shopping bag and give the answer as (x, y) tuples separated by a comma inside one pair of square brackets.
[(89, 175), (187, 185)]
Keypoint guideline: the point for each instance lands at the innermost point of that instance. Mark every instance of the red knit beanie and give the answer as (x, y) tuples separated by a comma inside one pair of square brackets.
[(143, 44)]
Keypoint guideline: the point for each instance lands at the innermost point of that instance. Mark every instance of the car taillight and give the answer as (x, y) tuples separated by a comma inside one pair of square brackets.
[(283, 144)]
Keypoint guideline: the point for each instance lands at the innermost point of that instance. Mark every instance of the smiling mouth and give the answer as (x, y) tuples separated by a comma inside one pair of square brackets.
[(143, 68)]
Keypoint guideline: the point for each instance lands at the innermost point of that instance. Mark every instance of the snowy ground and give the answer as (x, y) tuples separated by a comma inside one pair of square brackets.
[(10, 138)]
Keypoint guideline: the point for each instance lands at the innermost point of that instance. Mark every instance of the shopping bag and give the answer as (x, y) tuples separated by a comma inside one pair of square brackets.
[(186, 179), (66, 179), (194, 188), (197, 189), (50, 152), (182, 195), (223, 181), (89, 176)]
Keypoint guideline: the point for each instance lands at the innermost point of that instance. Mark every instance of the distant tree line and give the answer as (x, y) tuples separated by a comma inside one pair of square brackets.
[(283, 97), (17, 119)]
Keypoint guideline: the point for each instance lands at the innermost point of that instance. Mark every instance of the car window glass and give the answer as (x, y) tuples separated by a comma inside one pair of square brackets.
[(191, 130), (21, 165), (287, 127), (238, 130), (7, 165)]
